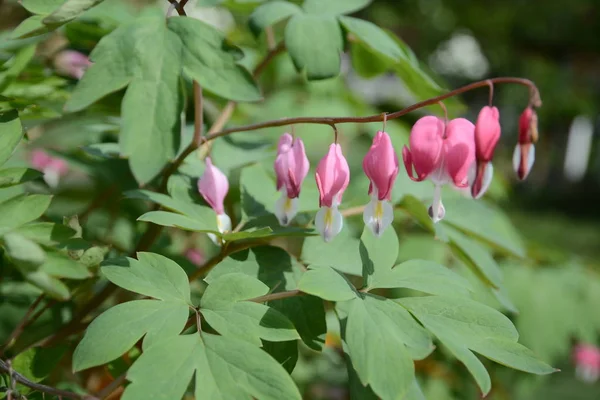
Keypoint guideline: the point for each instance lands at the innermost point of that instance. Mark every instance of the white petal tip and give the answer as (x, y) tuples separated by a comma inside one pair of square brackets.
[(329, 223), (286, 209), (439, 215), (378, 216)]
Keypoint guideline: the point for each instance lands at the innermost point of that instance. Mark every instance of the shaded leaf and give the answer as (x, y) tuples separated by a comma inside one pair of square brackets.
[(373, 37), (334, 7), (61, 266), (270, 13), (225, 368), (17, 176), (46, 233), (116, 330), (165, 218), (315, 44), (11, 133), (69, 10), (22, 209), (24, 253), (151, 275)]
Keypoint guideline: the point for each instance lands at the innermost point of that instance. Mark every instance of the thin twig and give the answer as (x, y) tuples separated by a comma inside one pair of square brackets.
[(198, 114), (21, 326), (41, 388), (277, 296), (378, 117), (112, 387)]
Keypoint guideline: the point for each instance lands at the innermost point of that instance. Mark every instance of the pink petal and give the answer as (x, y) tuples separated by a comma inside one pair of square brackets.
[(291, 165), (40, 159), (213, 186), (381, 165), (487, 133), (332, 176), (459, 150), (426, 145)]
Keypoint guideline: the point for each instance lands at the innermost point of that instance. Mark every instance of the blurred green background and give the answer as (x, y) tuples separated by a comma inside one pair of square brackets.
[(554, 43)]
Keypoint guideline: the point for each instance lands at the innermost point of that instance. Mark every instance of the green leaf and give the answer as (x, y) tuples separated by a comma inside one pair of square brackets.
[(16, 65), (210, 60), (165, 218), (37, 363), (274, 267), (93, 256), (342, 253), (186, 208), (476, 257), (11, 133), (61, 266), (374, 38), (370, 336), (154, 90), (41, 6), (69, 10), (512, 355), (424, 276), (17, 176), (327, 283), (224, 368), (24, 253), (31, 26), (48, 284), (378, 254), (462, 324), (116, 330), (46, 233), (484, 222), (270, 13), (22, 209), (248, 234), (334, 7), (151, 275), (286, 353), (315, 44)]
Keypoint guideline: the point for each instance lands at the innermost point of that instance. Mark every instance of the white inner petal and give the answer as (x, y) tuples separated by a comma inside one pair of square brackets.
[(378, 216), (517, 158), (329, 222), (285, 208), (52, 177), (437, 210), (488, 174)]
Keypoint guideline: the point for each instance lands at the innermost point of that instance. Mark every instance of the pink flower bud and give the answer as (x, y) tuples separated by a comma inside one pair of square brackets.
[(444, 153), (71, 63), (381, 167), (333, 177), (587, 362), (524, 154), (53, 167), (487, 133), (213, 186), (291, 167)]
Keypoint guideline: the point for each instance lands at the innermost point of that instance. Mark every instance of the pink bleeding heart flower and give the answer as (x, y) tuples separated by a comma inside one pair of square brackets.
[(524, 154), (71, 63), (487, 134), (587, 362), (53, 168), (291, 167), (381, 167), (442, 153), (333, 177), (213, 186)]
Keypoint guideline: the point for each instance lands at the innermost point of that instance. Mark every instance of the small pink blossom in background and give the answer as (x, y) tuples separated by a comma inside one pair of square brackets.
[(587, 362), (71, 63), (195, 256), (53, 168)]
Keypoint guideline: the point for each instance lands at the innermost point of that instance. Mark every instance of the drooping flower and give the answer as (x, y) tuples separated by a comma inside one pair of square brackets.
[(587, 362), (332, 176), (524, 154), (213, 186), (381, 167), (487, 134), (442, 152), (71, 63), (291, 167), (53, 168)]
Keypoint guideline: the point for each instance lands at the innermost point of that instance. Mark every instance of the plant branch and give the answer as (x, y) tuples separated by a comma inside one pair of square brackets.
[(39, 387), (19, 328), (112, 387), (277, 296), (534, 99), (198, 114)]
